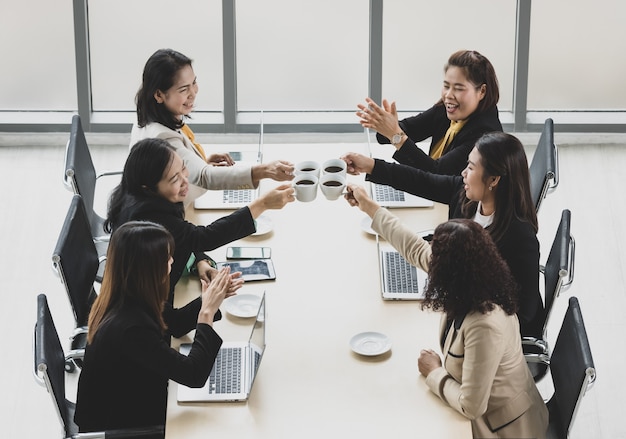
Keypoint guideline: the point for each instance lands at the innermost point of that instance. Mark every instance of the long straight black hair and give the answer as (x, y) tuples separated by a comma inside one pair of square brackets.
[(158, 74), (503, 155), (136, 272), (148, 161)]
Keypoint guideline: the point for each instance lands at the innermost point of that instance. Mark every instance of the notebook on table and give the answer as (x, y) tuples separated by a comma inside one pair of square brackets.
[(234, 198), (234, 370), (399, 280), (390, 197)]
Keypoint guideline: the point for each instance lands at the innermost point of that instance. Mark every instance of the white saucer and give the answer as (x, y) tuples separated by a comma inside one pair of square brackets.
[(370, 343), (366, 225), (243, 305), (263, 225)]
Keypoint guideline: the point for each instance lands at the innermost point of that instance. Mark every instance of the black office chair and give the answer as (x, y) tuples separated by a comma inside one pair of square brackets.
[(49, 372), (572, 370), (76, 261), (80, 175), (544, 168), (558, 274)]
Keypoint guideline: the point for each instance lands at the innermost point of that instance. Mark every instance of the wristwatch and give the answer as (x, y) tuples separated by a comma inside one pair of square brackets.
[(397, 138)]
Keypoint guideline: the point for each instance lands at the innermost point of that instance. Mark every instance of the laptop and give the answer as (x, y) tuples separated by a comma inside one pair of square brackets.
[(390, 197), (399, 280), (234, 370), (234, 198)]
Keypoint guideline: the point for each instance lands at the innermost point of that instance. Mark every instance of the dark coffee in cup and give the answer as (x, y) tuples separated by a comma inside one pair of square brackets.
[(332, 183), (333, 169), (307, 169), (305, 182)]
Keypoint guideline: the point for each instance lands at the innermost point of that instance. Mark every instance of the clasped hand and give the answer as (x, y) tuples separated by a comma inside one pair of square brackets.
[(383, 120), (220, 159), (428, 361)]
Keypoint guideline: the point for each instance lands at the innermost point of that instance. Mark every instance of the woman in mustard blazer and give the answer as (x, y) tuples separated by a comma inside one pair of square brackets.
[(483, 375)]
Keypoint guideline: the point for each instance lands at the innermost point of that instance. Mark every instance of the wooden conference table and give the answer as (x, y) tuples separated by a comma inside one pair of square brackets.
[(310, 384)]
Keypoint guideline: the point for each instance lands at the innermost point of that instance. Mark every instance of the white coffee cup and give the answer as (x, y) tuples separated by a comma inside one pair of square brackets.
[(334, 166), (332, 185), (305, 186), (308, 167)]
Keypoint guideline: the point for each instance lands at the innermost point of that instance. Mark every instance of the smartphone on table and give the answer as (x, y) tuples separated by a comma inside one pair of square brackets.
[(248, 252)]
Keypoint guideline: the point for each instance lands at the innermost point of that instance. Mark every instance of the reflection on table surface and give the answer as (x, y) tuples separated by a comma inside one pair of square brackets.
[(327, 290)]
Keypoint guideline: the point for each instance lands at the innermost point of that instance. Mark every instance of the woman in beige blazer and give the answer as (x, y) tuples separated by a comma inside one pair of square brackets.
[(483, 375), (164, 101)]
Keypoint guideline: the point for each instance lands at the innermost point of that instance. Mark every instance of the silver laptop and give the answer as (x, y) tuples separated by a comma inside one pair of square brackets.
[(234, 198), (390, 197), (399, 280), (234, 370)]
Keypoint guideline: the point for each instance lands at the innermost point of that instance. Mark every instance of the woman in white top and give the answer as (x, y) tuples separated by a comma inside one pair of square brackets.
[(166, 97)]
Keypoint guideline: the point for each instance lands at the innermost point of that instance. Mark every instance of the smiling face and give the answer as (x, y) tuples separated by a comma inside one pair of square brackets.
[(475, 188), (180, 97), (459, 95), (174, 184)]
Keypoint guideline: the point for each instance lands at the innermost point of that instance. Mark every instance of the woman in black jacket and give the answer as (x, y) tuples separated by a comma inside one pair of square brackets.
[(153, 187), (127, 364), (493, 190), (467, 110)]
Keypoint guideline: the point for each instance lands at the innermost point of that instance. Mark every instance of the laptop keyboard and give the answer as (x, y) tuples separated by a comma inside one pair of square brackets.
[(401, 276), (225, 376), (386, 193), (237, 196), (257, 360)]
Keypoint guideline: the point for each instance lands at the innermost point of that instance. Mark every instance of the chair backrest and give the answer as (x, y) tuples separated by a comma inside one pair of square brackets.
[(81, 173), (75, 259), (572, 369), (559, 268), (544, 175), (50, 369), (50, 363)]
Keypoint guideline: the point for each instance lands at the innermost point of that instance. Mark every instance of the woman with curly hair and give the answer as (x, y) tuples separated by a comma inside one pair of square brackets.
[(484, 375)]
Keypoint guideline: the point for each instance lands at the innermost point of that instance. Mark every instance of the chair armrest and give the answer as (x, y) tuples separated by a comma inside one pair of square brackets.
[(39, 380), (570, 269), (555, 179), (108, 174), (79, 331), (537, 358), (591, 377), (75, 354), (535, 342), (67, 182), (74, 359)]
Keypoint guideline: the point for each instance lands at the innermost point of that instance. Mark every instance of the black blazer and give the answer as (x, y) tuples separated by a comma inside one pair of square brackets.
[(518, 246), (123, 382), (434, 123), (189, 237)]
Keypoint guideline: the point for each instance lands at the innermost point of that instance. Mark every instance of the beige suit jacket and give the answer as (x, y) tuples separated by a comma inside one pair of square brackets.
[(202, 176), (484, 375)]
